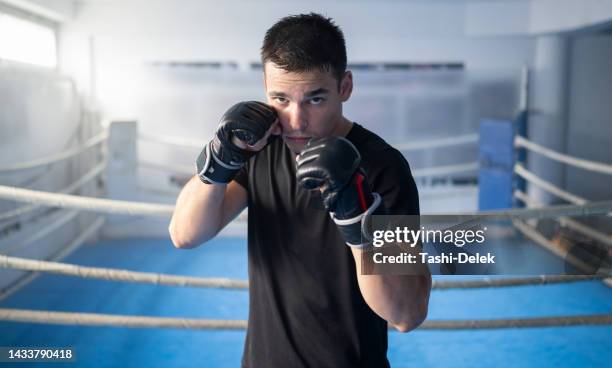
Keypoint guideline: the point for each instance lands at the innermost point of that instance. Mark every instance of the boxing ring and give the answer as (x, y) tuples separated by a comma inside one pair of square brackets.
[(141, 302)]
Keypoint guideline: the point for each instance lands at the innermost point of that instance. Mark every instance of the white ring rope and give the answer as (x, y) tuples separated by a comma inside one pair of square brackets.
[(119, 275), (566, 221), (430, 171), (109, 206), (531, 233), (93, 204), (91, 142), (243, 216), (97, 319), (433, 143), (589, 209), (561, 321), (599, 167), (508, 282), (90, 175), (71, 247), (225, 283), (521, 171), (445, 170), (439, 142), (174, 141)]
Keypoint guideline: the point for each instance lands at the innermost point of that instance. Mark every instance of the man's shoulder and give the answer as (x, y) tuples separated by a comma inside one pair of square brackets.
[(388, 172), (373, 148)]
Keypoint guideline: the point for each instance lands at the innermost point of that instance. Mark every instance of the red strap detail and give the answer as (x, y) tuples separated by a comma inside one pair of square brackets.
[(359, 179)]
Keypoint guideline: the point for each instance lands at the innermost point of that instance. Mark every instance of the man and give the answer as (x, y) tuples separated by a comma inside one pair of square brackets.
[(309, 177)]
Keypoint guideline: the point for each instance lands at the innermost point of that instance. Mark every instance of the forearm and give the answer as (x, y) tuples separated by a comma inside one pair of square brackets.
[(211, 199), (197, 216), (402, 300)]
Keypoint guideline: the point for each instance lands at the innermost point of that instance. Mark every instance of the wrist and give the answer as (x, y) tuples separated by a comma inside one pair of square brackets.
[(211, 169), (354, 199), (356, 230)]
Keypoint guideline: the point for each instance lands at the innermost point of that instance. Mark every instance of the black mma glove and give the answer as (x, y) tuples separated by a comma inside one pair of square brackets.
[(221, 159), (332, 165)]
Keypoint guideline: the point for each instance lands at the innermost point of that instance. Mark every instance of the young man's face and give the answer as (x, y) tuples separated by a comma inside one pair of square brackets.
[(309, 104)]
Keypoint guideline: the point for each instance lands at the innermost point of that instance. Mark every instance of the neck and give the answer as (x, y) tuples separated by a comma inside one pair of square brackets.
[(343, 127)]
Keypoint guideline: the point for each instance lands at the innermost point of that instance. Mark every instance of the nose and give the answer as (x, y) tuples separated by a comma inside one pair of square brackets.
[(297, 118)]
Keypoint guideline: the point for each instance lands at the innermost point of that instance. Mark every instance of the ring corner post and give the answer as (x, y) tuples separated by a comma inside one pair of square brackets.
[(122, 166), (496, 161)]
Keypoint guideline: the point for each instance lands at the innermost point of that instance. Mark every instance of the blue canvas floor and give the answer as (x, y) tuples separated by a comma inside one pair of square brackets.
[(589, 346)]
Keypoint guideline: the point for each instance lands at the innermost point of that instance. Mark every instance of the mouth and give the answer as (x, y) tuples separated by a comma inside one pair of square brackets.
[(299, 140)]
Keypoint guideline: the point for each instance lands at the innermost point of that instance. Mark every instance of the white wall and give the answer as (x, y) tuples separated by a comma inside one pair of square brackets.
[(535, 17), (590, 114), (54, 10), (132, 32), (108, 46)]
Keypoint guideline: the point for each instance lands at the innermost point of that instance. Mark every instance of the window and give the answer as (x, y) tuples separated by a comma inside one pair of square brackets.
[(27, 42)]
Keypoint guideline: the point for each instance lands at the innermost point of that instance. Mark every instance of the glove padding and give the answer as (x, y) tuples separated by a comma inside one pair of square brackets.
[(221, 159), (331, 165)]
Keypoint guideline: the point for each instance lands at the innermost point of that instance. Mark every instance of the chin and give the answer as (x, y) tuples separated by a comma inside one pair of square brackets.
[(294, 146)]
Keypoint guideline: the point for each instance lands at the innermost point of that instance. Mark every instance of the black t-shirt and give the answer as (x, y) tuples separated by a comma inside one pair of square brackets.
[(305, 307)]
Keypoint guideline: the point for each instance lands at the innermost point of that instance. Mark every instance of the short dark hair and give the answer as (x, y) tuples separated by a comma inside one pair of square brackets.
[(304, 42)]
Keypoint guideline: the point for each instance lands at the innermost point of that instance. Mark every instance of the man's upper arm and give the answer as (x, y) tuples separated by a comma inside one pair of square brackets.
[(236, 197), (234, 202), (394, 182)]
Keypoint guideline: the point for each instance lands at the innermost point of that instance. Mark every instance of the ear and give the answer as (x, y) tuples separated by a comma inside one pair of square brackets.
[(346, 86)]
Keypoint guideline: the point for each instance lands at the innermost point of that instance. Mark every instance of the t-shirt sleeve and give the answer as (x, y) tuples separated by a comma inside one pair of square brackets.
[(392, 179), (242, 177)]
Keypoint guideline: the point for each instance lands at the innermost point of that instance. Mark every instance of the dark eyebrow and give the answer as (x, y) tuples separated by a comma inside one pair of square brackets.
[(318, 91)]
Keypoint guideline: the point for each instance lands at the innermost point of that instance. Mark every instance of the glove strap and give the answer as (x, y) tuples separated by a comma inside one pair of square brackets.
[(211, 170), (355, 230)]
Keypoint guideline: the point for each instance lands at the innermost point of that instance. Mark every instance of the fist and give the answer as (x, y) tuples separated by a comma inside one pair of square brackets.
[(243, 130), (328, 164), (332, 165)]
